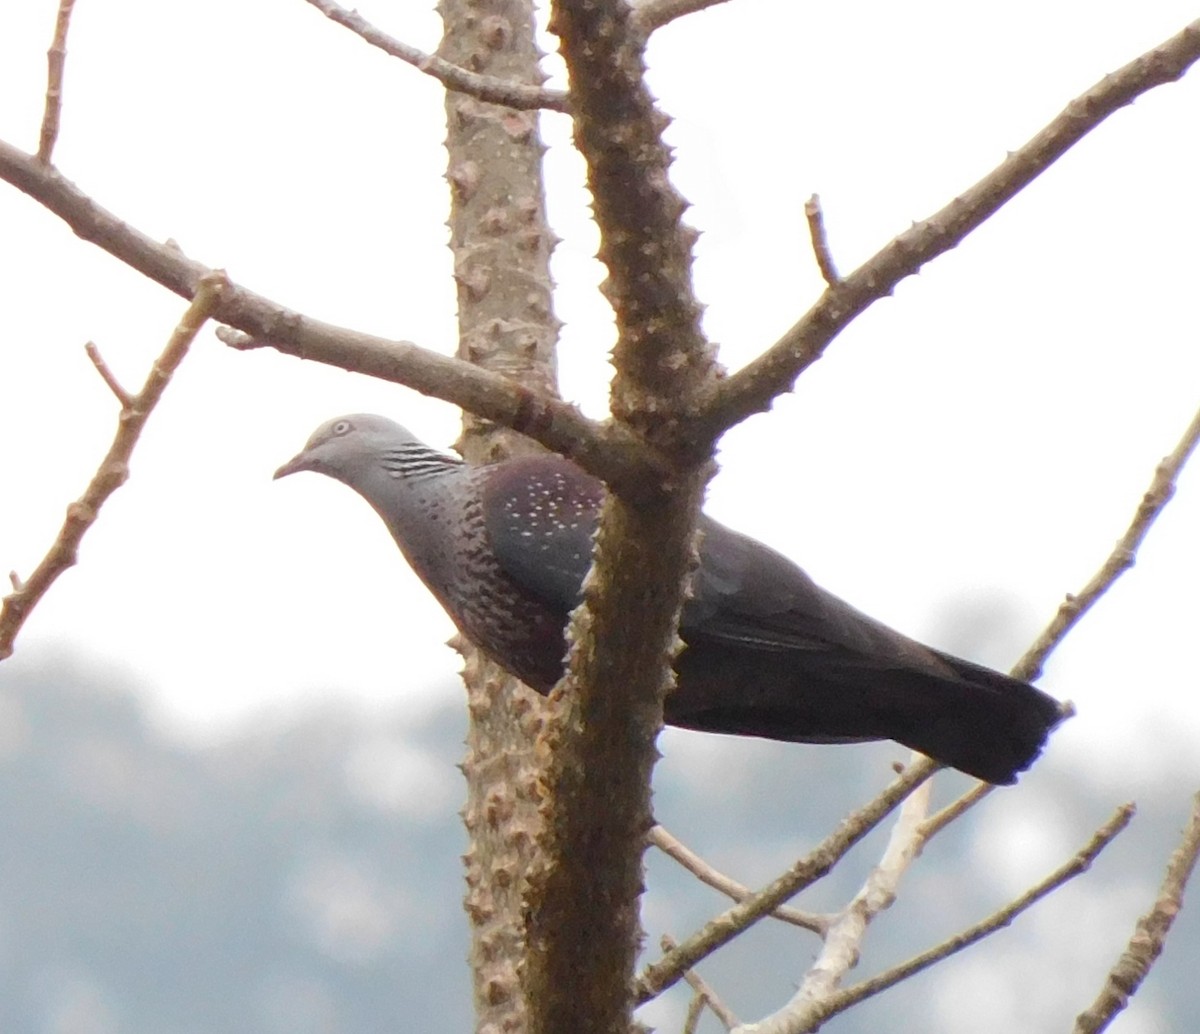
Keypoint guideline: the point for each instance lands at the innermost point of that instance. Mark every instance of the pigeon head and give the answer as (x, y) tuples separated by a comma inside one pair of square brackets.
[(349, 448)]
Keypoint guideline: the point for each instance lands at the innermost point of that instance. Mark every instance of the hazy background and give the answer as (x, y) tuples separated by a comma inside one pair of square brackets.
[(303, 875), (264, 836)]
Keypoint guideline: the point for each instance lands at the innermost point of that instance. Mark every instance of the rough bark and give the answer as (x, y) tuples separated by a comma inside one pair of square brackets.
[(584, 928), (502, 245)]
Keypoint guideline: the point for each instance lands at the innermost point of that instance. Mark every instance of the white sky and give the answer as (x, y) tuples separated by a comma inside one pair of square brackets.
[(983, 436)]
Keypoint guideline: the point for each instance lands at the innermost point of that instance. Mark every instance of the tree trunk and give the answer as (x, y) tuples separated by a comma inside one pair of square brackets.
[(502, 247)]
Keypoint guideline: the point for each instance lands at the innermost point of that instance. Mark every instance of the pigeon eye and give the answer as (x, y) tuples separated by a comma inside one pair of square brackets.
[(342, 427)]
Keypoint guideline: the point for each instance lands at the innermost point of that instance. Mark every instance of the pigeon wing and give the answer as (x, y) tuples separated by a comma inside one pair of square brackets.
[(540, 513)]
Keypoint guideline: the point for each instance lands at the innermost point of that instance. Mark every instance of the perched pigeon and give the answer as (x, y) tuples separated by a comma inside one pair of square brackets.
[(505, 548)]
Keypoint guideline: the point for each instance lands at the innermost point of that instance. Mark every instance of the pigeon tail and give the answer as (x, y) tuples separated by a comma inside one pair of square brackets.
[(983, 723)]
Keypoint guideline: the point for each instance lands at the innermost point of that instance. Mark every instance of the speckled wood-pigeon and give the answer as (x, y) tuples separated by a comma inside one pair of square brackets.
[(505, 547)]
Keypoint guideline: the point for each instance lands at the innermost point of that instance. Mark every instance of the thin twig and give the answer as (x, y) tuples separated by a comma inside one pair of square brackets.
[(56, 60), (110, 378), (1161, 489), (704, 991), (940, 820), (660, 975), (113, 470), (752, 388), (843, 944), (654, 14), (840, 1001), (820, 242), (484, 87), (1149, 935), (673, 847), (695, 1010)]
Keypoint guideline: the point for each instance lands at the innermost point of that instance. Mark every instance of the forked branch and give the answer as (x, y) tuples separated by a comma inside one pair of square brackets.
[(113, 469)]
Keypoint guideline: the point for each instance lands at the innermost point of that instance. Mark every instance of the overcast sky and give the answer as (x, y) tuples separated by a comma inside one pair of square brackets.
[(965, 454)]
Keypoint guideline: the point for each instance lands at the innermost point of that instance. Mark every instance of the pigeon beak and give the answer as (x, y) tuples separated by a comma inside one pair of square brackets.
[(298, 462)]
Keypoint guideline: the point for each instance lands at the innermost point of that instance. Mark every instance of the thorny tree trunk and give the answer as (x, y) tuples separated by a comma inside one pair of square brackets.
[(501, 244)]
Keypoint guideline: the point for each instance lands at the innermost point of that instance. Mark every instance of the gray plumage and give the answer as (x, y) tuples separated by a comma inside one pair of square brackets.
[(505, 548)]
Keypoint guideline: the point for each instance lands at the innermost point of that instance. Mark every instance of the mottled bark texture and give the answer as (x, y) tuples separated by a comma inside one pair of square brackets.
[(502, 245), (584, 928)]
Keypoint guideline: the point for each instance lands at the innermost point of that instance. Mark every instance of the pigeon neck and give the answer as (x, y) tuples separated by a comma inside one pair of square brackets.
[(415, 461), (419, 492)]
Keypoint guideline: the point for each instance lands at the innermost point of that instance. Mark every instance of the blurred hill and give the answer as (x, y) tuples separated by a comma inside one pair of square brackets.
[(303, 876)]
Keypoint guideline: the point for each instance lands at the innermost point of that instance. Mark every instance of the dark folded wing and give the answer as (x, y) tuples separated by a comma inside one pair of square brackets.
[(540, 513), (747, 594)]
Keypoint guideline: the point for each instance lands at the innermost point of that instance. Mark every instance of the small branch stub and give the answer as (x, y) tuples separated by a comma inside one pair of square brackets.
[(102, 368), (820, 242), (56, 60)]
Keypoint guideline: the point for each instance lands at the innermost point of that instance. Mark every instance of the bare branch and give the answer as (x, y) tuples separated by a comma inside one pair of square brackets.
[(483, 87), (1161, 489), (703, 991), (820, 242), (1149, 935), (654, 14), (56, 60), (113, 470), (675, 848), (667, 971), (840, 1001), (752, 388), (610, 452)]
